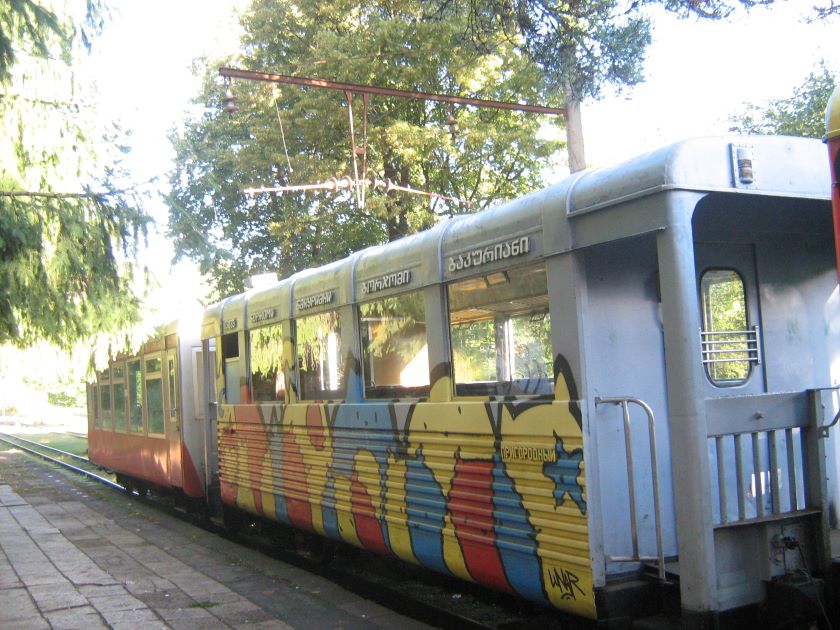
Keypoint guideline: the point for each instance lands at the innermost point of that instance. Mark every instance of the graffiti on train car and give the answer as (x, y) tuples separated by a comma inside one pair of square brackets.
[(427, 482)]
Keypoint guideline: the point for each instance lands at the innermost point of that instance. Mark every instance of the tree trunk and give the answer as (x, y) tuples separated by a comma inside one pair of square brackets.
[(574, 133)]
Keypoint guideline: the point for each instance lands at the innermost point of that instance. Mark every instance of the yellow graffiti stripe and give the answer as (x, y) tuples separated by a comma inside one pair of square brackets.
[(562, 533), (395, 510)]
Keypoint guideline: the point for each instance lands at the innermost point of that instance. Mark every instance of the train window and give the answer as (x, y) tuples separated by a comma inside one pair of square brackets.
[(102, 382), (500, 334), (93, 404), (154, 395), (728, 347), (119, 406), (394, 347), (105, 407), (135, 401), (230, 357), (319, 356), (265, 349)]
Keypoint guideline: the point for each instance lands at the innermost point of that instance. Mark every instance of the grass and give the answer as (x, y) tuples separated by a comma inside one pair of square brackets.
[(61, 441)]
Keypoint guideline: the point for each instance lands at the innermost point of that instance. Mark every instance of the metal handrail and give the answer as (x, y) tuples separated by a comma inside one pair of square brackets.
[(625, 402)]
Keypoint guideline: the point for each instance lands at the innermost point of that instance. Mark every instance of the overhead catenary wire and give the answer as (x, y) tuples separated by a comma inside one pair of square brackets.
[(347, 183), (283, 136)]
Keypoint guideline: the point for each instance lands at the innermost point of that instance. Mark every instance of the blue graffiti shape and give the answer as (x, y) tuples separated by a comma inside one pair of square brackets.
[(515, 536), (564, 473)]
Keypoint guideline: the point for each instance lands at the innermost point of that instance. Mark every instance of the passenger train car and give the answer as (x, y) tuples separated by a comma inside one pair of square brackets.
[(616, 381), (144, 422)]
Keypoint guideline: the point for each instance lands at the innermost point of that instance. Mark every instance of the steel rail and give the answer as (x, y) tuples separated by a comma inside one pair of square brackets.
[(50, 448), (4, 438)]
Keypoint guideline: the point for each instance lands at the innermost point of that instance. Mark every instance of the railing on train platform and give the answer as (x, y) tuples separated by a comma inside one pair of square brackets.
[(625, 402), (767, 456)]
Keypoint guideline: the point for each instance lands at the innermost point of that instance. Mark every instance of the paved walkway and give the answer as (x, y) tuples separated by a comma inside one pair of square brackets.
[(77, 555)]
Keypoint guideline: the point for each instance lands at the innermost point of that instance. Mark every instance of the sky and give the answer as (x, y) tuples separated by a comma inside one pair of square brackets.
[(697, 75)]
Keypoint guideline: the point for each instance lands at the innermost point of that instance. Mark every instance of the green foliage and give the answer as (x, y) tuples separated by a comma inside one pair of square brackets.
[(579, 46), (801, 114), (63, 399), (409, 45), (65, 225), (24, 23), (582, 46)]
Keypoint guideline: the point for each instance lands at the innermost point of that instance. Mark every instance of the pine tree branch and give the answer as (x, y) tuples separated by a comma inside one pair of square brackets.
[(52, 195), (75, 195)]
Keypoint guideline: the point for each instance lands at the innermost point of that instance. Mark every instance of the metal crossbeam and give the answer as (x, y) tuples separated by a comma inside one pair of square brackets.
[(236, 73)]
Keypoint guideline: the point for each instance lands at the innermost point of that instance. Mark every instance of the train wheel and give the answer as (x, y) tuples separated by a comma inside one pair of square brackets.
[(232, 518), (322, 550), (126, 482), (198, 508)]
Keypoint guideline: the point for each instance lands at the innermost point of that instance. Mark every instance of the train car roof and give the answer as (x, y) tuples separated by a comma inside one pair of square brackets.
[(571, 213), (780, 165)]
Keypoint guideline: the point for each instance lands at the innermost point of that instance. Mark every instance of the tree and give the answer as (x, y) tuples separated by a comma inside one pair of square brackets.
[(67, 227), (581, 46), (801, 114), (409, 44)]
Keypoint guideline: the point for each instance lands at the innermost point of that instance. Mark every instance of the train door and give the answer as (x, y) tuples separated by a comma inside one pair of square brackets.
[(206, 367), (730, 319), (173, 417)]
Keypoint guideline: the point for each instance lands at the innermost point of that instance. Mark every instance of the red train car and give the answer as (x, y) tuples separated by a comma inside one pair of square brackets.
[(143, 420)]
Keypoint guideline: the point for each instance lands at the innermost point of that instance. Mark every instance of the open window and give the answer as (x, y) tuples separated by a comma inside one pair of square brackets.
[(395, 351), (500, 334), (320, 371), (230, 357), (265, 348)]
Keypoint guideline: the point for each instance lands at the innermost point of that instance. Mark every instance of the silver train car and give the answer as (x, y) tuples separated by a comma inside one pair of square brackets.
[(615, 386)]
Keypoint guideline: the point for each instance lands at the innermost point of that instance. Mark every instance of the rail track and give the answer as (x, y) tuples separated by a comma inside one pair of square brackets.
[(430, 597)]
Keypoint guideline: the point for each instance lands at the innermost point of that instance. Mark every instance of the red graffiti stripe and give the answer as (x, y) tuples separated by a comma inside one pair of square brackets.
[(471, 507), (295, 486), (367, 525)]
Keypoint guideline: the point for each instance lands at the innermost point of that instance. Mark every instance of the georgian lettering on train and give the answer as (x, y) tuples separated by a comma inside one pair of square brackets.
[(319, 299), (518, 246), (388, 281), (263, 315)]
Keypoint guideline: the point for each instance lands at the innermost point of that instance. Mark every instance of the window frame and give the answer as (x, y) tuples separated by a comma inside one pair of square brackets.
[(118, 370), (132, 428), (321, 394), (544, 385), (751, 334), (149, 375), (103, 421), (231, 361), (280, 396), (386, 392)]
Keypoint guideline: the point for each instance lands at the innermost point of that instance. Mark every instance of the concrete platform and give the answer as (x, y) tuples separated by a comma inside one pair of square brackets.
[(74, 554)]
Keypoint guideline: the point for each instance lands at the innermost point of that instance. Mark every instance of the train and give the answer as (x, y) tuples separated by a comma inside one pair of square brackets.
[(606, 393)]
